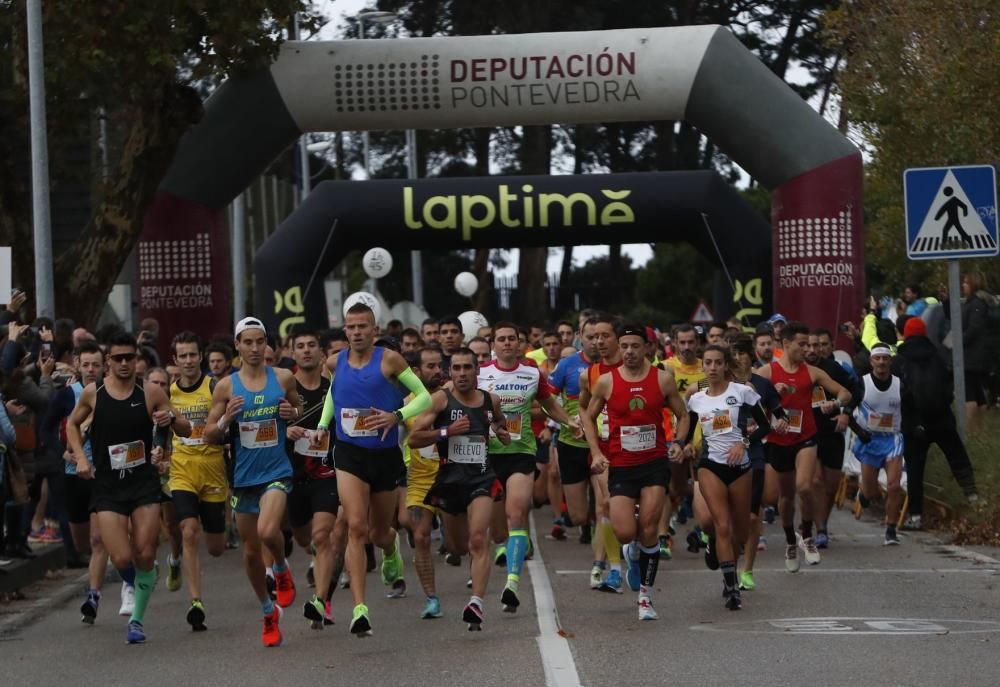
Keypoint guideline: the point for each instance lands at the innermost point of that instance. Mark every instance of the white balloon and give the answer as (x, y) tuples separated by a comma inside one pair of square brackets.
[(466, 283), (366, 298), (377, 262), (472, 321)]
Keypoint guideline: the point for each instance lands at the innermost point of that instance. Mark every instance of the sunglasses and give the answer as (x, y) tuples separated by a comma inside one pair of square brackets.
[(123, 357)]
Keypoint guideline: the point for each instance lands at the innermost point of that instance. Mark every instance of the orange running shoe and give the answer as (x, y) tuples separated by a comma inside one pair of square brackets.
[(272, 633), (285, 588)]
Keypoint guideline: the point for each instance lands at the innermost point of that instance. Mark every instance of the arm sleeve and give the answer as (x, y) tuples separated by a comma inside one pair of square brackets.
[(328, 410), (421, 400), (692, 426), (763, 426)]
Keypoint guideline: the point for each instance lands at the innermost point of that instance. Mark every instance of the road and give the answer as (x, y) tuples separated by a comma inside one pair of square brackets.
[(918, 614)]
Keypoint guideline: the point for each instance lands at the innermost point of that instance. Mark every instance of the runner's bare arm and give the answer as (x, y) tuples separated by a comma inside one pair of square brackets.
[(423, 433), (668, 387), (826, 381), (74, 431), (589, 413), (224, 409), (163, 413), (499, 421), (290, 407)]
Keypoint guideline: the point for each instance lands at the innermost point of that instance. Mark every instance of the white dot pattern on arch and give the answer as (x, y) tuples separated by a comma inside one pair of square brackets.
[(815, 237), (184, 259)]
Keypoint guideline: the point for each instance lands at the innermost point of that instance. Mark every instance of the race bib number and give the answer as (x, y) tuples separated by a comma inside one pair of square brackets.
[(514, 425), (818, 396), (354, 422), (303, 446), (470, 449), (197, 437), (127, 456), (260, 434), (882, 422), (794, 421), (719, 422), (603, 426), (638, 438)]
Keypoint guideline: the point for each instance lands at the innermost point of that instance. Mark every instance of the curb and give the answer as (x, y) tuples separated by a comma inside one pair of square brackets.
[(39, 607)]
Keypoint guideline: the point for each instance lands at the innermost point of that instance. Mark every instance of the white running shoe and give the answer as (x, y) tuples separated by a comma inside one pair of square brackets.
[(128, 599), (809, 548), (646, 610), (792, 558), (596, 577)]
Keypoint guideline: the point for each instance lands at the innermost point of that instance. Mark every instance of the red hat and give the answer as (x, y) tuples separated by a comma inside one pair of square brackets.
[(914, 327)]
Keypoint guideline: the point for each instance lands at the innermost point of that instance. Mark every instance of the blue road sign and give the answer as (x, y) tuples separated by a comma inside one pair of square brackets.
[(951, 212)]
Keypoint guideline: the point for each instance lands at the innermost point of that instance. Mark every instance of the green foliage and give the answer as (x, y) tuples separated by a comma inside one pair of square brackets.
[(920, 89)]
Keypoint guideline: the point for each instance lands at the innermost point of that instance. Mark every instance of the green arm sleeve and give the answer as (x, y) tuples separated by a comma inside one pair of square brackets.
[(327, 417), (421, 400)]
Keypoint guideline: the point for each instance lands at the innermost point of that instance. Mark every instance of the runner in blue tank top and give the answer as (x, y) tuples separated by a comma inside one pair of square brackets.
[(366, 399), (254, 404)]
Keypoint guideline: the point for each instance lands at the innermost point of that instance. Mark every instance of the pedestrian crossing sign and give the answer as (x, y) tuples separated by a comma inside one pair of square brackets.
[(951, 212)]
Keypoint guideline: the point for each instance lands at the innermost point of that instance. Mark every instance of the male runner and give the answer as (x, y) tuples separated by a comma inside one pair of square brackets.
[(423, 468), (83, 521), (518, 383), (880, 412), (574, 454), (368, 403), (459, 423), (197, 471), (259, 401), (634, 396), (607, 548), (127, 484), (546, 486), (829, 429), (313, 502), (793, 454)]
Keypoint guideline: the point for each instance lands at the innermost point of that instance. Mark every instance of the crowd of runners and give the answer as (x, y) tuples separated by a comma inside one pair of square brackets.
[(430, 446)]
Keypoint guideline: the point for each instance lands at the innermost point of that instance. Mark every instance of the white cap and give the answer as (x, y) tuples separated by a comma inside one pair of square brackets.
[(249, 323)]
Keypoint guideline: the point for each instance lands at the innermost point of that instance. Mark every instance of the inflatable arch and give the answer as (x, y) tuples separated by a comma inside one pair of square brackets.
[(701, 74)]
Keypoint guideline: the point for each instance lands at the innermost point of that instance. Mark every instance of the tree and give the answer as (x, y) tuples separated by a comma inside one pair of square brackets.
[(920, 88), (145, 67)]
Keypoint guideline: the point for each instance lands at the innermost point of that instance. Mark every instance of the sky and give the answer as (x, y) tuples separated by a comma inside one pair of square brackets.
[(640, 253)]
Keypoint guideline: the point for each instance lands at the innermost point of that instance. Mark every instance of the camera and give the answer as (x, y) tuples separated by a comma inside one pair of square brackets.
[(845, 328)]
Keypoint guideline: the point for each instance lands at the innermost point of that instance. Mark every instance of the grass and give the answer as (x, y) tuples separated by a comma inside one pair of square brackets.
[(970, 525)]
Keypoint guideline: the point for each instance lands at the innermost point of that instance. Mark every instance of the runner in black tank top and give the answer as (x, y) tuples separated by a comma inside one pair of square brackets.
[(127, 485), (459, 421)]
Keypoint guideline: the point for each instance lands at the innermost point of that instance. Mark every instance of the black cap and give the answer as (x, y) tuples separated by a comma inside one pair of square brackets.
[(633, 330), (389, 342)]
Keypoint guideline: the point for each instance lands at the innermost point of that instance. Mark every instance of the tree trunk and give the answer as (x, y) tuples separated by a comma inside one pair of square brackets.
[(85, 273), (532, 301)]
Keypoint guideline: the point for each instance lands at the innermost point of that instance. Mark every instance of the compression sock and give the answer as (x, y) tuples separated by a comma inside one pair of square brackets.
[(612, 547), (728, 574), (267, 606), (517, 547), (128, 574), (790, 536), (649, 562), (145, 582), (279, 568)]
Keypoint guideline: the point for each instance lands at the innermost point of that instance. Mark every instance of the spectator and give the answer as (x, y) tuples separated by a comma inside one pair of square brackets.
[(912, 296), (974, 324), (927, 417)]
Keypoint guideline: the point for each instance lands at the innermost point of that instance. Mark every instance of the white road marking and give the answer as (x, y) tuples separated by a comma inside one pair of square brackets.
[(557, 657), (832, 571), (962, 552)]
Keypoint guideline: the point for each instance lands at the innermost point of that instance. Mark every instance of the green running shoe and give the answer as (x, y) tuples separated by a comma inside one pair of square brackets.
[(392, 565), (500, 557), (360, 624), (314, 611), (196, 616), (173, 575), (746, 581)]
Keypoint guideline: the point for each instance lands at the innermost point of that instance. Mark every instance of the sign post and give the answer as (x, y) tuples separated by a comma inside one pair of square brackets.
[(951, 213)]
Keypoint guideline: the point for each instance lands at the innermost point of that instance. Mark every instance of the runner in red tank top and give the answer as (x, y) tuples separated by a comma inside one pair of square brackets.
[(793, 455), (638, 471)]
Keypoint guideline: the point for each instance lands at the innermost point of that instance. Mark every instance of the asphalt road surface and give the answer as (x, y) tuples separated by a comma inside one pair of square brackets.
[(918, 614)]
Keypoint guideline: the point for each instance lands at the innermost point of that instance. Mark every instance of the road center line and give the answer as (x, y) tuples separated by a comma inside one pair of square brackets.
[(557, 657)]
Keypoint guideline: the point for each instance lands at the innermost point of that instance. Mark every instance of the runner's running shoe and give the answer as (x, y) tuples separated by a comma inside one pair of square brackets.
[(614, 582), (746, 581), (128, 599), (646, 610), (509, 597), (196, 616), (315, 612), (360, 624), (473, 615), (173, 574), (809, 547), (135, 634), (634, 574), (272, 632), (792, 558), (89, 607), (432, 609), (500, 556), (284, 587)]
